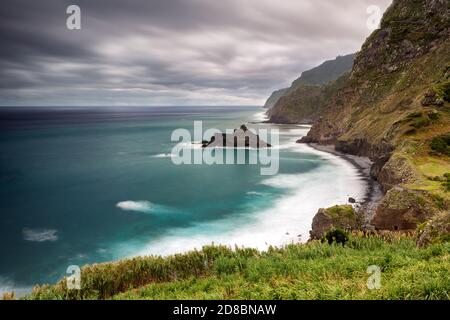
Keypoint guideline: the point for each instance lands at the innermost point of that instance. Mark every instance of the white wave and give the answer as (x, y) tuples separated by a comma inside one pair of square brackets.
[(286, 220), (255, 193), (39, 235), (190, 145), (141, 206), (163, 155), (260, 116)]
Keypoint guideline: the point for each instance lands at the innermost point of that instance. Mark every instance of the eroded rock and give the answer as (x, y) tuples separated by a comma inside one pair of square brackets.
[(343, 216), (402, 209)]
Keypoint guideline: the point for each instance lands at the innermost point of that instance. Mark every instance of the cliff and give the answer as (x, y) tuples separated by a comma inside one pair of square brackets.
[(328, 71), (274, 97), (394, 108)]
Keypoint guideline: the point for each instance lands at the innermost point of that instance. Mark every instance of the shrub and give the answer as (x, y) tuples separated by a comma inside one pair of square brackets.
[(421, 122), (433, 115), (446, 182), (336, 235), (441, 144), (413, 115), (410, 131), (443, 90)]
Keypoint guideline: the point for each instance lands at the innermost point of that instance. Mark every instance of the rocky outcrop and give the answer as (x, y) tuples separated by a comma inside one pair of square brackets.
[(240, 138), (343, 217), (402, 209), (397, 171)]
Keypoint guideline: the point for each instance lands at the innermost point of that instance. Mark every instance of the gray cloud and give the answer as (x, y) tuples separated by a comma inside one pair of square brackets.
[(169, 52)]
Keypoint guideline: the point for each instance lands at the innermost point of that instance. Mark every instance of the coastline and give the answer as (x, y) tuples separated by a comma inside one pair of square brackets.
[(373, 193)]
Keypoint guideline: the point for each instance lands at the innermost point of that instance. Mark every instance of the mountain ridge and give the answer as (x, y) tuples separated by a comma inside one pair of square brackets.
[(327, 71)]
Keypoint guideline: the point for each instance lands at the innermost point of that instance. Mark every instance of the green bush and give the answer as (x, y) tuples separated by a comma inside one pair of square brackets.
[(414, 115), (433, 115), (441, 144), (336, 235), (443, 90), (421, 122), (446, 182)]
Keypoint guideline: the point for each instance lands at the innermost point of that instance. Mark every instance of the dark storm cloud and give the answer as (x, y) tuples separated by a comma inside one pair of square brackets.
[(169, 51)]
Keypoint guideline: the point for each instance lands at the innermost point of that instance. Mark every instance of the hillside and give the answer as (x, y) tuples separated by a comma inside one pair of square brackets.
[(394, 108), (328, 71), (299, 271)]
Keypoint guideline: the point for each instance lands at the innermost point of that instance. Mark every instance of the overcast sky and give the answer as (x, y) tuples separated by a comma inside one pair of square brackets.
[(169, 52)]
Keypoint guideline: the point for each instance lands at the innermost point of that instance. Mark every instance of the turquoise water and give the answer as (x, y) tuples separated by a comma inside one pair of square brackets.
[(91, 185)]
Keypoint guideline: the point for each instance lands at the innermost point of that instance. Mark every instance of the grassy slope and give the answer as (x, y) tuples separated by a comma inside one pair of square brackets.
[(299, 271)]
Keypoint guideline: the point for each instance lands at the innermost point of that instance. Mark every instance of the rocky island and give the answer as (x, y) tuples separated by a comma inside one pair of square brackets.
[(240, 138)]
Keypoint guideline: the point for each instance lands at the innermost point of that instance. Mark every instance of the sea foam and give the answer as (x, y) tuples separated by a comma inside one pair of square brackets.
[(141, 206), (39, 235), (285, 220)]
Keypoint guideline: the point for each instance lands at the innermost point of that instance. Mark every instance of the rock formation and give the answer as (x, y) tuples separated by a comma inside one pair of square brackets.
[(240, 138)]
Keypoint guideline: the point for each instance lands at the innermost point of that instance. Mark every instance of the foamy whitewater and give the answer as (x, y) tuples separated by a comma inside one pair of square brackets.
[(286, 220)]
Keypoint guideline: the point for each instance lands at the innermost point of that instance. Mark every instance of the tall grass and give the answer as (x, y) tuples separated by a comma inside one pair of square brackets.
[(298, 271)]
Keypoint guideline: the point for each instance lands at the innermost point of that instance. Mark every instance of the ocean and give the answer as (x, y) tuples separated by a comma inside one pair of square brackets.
[(87, 185)]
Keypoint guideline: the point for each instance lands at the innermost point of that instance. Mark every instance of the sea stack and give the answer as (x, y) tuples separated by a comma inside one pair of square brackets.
[(240, 138)]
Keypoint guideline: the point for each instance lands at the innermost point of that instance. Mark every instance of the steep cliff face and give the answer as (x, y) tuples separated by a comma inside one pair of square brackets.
[(398, 69), (328, 71), (305, 104), (391, 107), (274, 97)]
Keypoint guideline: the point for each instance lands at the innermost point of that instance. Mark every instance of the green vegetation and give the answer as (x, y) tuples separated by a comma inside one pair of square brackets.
[(314, 270), (441, 144), (446, 182), (340, 211), (443, 90), (337, 236)]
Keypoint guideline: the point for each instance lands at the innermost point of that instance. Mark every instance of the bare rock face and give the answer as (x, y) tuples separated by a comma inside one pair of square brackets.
[(396, 171), (436, 230), (378, 165), (402, 209), (343, 217)]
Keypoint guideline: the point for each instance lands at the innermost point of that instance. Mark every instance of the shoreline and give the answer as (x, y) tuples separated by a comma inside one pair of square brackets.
[(373, 193)]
